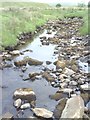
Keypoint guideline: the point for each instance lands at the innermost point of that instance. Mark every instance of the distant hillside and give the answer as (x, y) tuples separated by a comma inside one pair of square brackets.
[(23, 4)]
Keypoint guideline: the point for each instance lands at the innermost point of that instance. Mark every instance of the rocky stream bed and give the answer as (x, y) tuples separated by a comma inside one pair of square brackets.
[(48, 77)]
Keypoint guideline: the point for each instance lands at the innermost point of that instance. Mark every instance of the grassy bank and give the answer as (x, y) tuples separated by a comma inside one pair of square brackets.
[(20, 17)]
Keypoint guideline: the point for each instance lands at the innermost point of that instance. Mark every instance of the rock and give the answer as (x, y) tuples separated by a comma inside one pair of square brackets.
[(59, 108), (15, 52), (7, 116), (34, 62), (60, 64), (23, 68), (48, 77), (33, 75), (48, 62), (20, 63), (17, 103), (68, 72), (88, 105), (86, 97), (74, 108), (42, 112), (58, 95), (25, 94), (25, 106), (74, 68), (85, 87)]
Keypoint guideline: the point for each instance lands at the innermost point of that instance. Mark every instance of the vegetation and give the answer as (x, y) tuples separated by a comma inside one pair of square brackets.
[(24, 17), (81, 5), (89, 4), (58, 5)]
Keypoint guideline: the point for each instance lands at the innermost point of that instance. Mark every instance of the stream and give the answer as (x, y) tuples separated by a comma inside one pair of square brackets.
[(11, 77)]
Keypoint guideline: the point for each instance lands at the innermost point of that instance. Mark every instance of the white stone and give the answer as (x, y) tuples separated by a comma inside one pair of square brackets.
[(17, 103), (42, 112), (25, 106)]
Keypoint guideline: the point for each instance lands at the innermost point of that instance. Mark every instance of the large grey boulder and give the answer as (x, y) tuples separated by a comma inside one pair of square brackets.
[(74, 108)]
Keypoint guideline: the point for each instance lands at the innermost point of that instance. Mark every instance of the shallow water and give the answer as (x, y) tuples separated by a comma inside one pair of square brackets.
[(11, 79)]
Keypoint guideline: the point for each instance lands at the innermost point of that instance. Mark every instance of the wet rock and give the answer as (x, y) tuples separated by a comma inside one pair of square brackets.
[(7, 116), (23, 68), (17, 103), (42, 112), (20, 63), (74, 68), (15, 52), (88, 105), (24, 94), (85, 87), (58, 95), (25, 106), (68, 72), (60, 64), (85, 97), (34, 62), (74, 108), (48, 62), (32, 76), (48, 77), (59, 108), (66, 91)]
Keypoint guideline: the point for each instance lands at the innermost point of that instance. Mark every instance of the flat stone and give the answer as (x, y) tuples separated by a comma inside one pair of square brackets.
[(25, 94), (42, 112), (48, 77)]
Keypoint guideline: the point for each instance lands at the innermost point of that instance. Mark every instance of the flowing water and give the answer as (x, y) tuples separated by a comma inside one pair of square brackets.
[(11, 77)]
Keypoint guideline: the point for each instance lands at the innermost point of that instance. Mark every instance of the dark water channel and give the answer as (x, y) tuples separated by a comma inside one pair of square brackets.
[(11, 77)]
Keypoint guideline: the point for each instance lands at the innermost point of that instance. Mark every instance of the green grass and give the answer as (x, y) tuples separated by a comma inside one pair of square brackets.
[(15, 20)]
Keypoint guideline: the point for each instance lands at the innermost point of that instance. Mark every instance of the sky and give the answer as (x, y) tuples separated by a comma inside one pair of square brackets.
[(51, 1)]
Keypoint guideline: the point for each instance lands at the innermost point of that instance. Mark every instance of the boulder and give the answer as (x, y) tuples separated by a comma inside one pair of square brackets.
[(59, 108), (17, 103), (74, 108), (34, 62), (48, 77), (25, 106), (68, 71), (85, 87), (15, 52), (42, 112), (60, 64), (25, 94)]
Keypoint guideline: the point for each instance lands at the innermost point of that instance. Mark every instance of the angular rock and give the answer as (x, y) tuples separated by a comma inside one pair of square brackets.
[(48, 77), (17, 103), (15, 52), (85, 87), (34, 62), (25, 94), (25, 106), (68, 71), (74, 108), (42, 112), (60, 64), (59, 108)]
